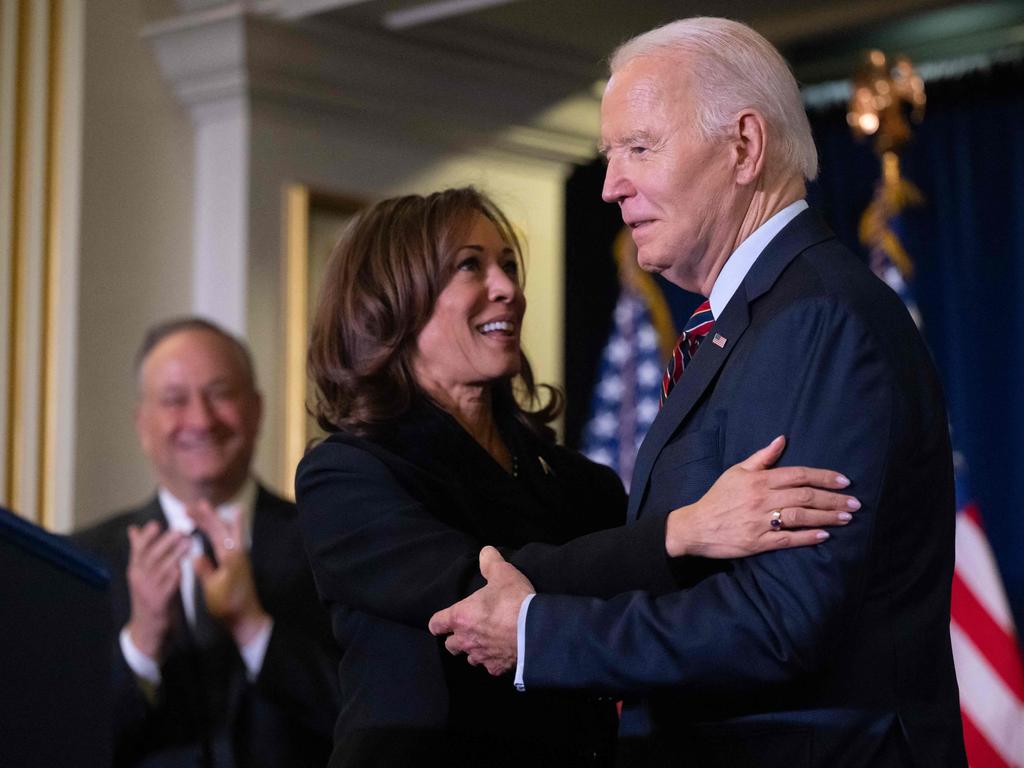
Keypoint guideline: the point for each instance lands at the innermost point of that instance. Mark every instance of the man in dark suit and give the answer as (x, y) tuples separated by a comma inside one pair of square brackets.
[(835, 655), (224, 655)]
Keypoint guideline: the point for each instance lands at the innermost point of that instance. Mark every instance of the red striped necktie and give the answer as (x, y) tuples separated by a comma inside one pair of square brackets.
[(697, 327)]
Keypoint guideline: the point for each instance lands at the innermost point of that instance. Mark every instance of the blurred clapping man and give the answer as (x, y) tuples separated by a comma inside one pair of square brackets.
[(223, 656)]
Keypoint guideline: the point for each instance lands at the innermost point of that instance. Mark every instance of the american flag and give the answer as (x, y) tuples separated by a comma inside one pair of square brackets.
[(985, 649), (625, 398)]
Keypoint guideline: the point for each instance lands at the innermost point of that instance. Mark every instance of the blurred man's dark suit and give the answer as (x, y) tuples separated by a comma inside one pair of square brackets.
[(205, 711)]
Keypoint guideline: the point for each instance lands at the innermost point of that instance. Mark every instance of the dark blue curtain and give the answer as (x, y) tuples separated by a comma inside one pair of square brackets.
[(967, 244)]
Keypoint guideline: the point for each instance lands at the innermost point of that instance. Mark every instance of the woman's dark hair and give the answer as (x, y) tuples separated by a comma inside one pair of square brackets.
[(379, 290)]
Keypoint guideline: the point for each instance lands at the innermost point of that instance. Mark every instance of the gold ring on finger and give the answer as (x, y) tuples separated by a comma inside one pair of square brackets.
[(776, 520)]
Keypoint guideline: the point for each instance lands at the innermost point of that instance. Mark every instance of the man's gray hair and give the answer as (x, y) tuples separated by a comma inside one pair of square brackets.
[(734, 68), (162, 330)]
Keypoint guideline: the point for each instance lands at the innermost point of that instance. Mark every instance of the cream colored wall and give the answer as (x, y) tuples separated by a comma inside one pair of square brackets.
[(137, 236), (136, 246)]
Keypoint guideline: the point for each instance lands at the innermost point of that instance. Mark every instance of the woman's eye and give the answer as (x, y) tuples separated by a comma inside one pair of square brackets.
[(511, 268), (468, 264)]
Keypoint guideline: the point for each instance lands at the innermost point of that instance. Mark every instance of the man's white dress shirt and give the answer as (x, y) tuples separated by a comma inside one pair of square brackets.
[(145, 667)]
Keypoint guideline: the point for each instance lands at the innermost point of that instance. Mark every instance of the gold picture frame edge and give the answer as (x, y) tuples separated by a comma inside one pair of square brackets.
[(300, 201)]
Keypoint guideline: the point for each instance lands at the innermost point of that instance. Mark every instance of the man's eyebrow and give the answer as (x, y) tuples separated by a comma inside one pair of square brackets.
[(636, 137)]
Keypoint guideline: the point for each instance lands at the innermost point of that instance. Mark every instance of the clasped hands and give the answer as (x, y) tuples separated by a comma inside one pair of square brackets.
[(483, 625), (154, 577), (730, 520)]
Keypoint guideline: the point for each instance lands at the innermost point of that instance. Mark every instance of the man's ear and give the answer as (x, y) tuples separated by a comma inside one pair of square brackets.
[(749, 144), (137, 419), (258, 406), (141, 433)]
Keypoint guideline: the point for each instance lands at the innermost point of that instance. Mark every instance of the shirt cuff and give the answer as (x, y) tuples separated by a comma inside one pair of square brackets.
[(252, 652), (521, 642), (145, 668)]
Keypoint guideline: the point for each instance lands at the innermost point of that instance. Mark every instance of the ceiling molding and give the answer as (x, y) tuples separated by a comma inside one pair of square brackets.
[(435, 10), (226, 53)]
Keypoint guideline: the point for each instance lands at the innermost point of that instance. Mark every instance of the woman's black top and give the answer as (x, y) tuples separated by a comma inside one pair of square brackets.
[(394, 526)]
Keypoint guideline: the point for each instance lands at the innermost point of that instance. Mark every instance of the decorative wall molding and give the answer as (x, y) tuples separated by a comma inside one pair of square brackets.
[(40, 104), (455, 96), (275, 103)]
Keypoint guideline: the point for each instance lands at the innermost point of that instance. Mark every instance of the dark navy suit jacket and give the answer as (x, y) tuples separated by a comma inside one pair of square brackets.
[(834, 655), (206, 710)]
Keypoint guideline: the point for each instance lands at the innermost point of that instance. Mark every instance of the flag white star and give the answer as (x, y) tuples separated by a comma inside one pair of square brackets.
[(604, 424), (610, 388), (647, 338), (646, 412), (623, 313), (618, 351), (648, 374)]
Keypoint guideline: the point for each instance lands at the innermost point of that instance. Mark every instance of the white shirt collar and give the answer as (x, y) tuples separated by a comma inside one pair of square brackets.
[(743, 258), (242, 503)]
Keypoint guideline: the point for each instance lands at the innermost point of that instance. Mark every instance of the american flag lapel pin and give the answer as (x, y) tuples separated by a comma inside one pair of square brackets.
[(719, 340)]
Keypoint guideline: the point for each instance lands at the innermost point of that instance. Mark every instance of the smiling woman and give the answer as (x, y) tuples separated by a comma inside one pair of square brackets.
[(472, 337), (432, 454), (402, 310), (414, 351)]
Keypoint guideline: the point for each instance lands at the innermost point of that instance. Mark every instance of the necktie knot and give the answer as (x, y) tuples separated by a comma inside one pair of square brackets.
[(697, 327)]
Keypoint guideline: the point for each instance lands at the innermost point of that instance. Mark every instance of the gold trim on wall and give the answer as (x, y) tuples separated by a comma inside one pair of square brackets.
[(48, 386), (296, 207), (8, 21), (304, 208), (29, 320), (15, 425)]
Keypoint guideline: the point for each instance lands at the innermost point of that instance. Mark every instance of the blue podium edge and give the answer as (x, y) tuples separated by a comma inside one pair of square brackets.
[(54, 549)]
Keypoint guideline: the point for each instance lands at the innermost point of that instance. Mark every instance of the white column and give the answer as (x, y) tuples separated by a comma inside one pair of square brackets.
[(221, 213)]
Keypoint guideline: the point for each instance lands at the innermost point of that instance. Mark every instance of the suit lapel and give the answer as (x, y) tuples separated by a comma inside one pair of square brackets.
[(696, 379), (805, 230), (152, 511), (271, 552), (264, 532)]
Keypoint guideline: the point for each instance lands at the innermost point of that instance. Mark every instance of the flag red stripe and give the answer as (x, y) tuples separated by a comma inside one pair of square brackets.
[(980, 754), (999, 648), (973, 513)]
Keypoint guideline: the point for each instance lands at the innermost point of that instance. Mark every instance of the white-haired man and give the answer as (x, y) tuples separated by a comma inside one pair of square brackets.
[(836, 655)]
